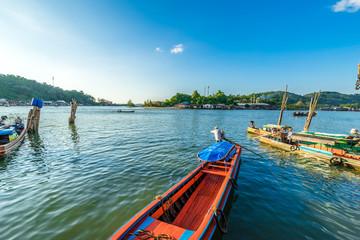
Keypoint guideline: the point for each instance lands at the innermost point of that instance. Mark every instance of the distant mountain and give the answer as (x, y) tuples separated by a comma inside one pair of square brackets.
[(326, 98), (19, 88)]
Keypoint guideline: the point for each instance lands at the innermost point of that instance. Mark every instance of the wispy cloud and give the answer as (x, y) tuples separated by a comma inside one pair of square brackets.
[(346, 6), (24, 20), (177, 49), (158, 49)]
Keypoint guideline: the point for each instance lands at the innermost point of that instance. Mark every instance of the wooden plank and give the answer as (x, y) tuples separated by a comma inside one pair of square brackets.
[(220, 173), (199, 203)]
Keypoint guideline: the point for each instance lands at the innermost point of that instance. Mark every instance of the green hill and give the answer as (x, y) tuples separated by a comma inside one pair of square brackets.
[(19, 88), (295, 101)]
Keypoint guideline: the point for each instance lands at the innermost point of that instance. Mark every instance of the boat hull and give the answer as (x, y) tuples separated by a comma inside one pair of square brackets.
[(257, 131), (211, 186), (347, 159), (6, 148)]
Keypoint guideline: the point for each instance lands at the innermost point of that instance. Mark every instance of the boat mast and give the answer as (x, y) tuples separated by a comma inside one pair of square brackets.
[(357, 86), (283, 104), (312, 107)]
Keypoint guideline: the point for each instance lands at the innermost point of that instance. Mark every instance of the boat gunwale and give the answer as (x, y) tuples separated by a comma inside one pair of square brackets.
[(221, 200), (6, 148)]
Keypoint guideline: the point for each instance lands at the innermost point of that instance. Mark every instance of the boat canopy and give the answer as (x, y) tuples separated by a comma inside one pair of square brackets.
[(326, 134), (217, 152), (276, 126)]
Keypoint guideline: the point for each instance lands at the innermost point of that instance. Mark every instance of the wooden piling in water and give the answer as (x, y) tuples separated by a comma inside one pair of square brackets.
[(312, 108), (74, 106), (283, 105), (33, 120)]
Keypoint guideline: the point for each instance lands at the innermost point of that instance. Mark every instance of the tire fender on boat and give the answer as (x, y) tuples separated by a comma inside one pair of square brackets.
[(293, 148), (222, 228), (336, 161)]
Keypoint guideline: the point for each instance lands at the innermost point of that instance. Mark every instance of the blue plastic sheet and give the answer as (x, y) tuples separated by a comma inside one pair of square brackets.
[(7, 131), (218, 151), (37, 102)]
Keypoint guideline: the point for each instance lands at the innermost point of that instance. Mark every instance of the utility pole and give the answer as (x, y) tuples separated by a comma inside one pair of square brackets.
[(204, 91), (208, 90), (53, 82)]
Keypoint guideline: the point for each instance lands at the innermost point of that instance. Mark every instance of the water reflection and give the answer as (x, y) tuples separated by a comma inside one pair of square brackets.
[(36, 144), (75, 137)]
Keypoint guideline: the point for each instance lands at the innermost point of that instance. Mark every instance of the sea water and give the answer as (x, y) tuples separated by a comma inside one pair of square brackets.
[(84, 181)]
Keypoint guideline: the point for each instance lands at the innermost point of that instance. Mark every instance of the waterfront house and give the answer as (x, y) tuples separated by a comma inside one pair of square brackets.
[(196, 106), (221, 106), (208, 106), (182, 105), (3, 101), (254, 106)]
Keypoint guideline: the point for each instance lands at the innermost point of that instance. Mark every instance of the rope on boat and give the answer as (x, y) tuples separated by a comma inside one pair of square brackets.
[(222, 228), (242, 147), (234, 183), (161, 198), (169, 206), (146, 234)]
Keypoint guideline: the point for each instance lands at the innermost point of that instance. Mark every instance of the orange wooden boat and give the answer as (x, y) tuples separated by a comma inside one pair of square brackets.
[(6, 148), (193, 208)]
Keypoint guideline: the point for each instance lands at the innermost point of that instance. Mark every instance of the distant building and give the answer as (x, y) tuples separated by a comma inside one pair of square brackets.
[(48, 103), (196, 106), (221, 106), (254, 106), (209, 106), (182, 105), (3, 101)]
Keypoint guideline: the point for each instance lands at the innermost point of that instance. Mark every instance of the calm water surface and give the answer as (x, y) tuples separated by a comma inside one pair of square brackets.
[(84, 181)]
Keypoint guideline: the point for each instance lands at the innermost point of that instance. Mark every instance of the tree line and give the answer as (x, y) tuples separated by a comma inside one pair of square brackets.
[(274, 98), (18, 88)]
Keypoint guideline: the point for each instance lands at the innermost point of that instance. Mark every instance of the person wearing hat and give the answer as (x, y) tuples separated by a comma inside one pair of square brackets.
[(217, 134)]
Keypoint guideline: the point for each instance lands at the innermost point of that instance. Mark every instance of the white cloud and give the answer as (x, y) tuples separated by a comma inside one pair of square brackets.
[(177, 49), (158, 49), (346, 6)]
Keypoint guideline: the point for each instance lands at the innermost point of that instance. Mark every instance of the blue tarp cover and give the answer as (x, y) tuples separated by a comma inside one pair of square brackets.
[(217, 151), (7, 131)]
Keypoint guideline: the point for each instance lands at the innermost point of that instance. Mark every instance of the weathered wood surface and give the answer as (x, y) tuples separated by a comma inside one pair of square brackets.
[(33, 120), (312, 108), (283, 105), (74, 106)]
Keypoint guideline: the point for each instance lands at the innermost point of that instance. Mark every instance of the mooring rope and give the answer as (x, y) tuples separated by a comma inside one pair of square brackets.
[(147, 234)]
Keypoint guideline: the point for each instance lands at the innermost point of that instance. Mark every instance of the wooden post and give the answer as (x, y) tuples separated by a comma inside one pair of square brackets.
[(357, 86), (312, 108), (74, 106), (283, 105), (33, 120), (32, 124)]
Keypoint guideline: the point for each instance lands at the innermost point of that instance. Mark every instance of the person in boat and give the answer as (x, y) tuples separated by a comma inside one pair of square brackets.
[(290, 133), (217, 134), (18, 120), (252, 125), (18, 124)]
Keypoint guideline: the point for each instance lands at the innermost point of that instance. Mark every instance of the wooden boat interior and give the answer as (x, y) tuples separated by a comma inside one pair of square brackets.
[(183, 211)]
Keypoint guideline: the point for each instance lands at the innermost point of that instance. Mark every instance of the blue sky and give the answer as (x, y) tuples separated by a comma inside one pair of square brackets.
[(140, 49)]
